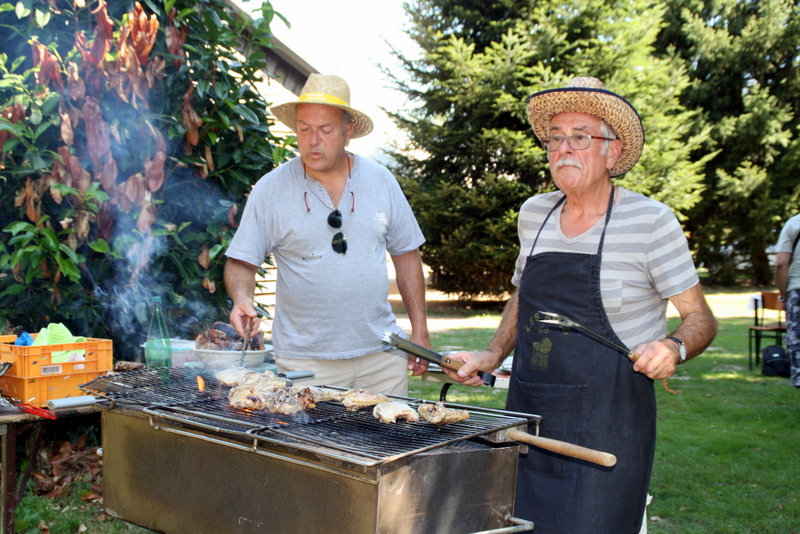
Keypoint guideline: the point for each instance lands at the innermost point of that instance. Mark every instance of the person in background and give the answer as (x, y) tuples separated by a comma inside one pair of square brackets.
[(610, 260), (329, 217), (787, 278)]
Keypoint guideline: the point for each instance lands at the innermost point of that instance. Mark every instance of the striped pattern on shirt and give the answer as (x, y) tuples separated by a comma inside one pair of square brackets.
[(646, 258)]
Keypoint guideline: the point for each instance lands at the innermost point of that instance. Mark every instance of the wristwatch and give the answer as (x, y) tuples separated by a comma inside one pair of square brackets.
[(681, 348)]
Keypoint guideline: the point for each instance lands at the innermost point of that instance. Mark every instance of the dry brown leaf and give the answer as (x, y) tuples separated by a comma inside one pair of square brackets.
[(204, 258), (144, 32), (103, 33), (209, 284), (75, 84), (190, 119), (175, 36), (232, 215), (147, 216), (56, 296), (55, 194), (81, 225), (49, 67), (67, 134), (13, 114), (209, 158), (44, 269), (154, 171)]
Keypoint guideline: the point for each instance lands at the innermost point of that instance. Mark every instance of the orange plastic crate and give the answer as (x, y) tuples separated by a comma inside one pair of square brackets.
[(37, 391), (34, 362)]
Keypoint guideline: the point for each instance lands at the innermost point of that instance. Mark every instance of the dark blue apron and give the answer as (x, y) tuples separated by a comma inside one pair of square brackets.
[(587, 393)]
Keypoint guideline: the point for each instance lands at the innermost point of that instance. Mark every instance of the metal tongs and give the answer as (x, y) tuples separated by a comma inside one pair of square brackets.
[(442, 360), (557, 318), (248, 326)]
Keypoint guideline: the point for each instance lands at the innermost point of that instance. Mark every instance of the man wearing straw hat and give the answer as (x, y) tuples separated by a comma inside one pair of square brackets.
[(610, 260), (329, 217)]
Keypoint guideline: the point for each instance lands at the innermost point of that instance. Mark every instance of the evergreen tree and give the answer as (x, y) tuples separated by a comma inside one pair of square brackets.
[(472, 159), (743, 63)]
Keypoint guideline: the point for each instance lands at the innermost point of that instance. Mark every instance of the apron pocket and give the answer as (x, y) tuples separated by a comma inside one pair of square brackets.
[(563, 409)]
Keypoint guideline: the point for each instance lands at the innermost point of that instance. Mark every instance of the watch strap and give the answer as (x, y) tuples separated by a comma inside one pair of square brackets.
[(681, 347)]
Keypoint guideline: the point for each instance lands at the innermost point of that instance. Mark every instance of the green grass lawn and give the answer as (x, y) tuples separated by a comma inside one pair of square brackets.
[(726, 458)]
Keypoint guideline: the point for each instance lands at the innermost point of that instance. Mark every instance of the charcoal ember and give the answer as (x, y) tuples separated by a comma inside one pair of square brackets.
[(222, 336)]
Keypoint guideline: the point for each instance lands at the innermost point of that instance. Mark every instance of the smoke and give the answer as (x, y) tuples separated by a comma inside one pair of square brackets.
[(148, 267)]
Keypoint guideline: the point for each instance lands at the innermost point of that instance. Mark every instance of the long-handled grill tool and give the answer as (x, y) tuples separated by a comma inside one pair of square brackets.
[(558, 319), (248, 325), (390, 338)]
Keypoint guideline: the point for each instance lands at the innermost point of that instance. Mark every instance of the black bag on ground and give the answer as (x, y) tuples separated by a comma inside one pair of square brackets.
[(775, 361)]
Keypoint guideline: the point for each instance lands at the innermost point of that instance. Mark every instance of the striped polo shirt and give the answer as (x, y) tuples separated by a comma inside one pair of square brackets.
[(646, 258)]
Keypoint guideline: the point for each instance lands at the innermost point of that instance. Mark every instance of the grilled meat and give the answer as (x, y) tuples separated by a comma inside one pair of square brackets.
[(230, 377), (356, 399), (222, 336), (440, 415), (246, 398), (283, 402), (391, 411), (256, 391), (324, 394), (305, 396), (239, 376)]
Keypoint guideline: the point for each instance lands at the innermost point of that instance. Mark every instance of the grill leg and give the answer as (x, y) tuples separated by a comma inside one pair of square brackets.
[(8, 481)]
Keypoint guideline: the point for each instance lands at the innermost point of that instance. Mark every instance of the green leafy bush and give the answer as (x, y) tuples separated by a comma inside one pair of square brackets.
[(129, 140)]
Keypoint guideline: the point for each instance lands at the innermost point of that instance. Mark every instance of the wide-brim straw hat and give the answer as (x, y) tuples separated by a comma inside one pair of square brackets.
[(589, 95), (329, 90)]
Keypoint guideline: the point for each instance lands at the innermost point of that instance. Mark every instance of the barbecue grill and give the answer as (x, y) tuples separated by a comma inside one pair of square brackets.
[(179, 459)]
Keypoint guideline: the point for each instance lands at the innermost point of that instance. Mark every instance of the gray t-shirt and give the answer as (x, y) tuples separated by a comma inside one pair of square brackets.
[(785, 242), (646, 259), (328, 305)]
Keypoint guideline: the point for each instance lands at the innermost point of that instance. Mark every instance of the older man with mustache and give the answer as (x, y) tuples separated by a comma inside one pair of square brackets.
[(610, 260)]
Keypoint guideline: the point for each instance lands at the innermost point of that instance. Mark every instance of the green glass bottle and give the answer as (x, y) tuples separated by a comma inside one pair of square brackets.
[(157, 349)]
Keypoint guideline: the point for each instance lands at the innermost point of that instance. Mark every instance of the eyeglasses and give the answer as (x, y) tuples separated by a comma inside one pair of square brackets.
[(575, 142), (339, 242)]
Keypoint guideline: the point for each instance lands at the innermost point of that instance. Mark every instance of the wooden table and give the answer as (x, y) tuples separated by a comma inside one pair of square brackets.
[(12, 425)]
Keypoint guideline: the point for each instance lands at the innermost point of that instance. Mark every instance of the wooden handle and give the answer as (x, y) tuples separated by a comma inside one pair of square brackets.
[(450, 363), (454, 365), (562, 447)]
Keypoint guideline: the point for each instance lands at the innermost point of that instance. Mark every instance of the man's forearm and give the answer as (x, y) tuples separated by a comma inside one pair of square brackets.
[(411, 284), (240, 280), (698, 326), (782, 263), (506, 335)]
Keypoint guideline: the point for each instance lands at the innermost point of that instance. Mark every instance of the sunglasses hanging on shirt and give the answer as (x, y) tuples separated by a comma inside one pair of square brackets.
[(339, 241)]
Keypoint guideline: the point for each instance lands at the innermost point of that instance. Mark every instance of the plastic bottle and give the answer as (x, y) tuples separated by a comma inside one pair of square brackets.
[(157, 349)]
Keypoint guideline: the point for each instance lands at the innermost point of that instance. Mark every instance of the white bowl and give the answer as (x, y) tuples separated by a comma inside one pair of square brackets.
[(224, 359)]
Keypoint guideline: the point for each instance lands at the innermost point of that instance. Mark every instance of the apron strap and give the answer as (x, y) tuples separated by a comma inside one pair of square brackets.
[(561, 201)]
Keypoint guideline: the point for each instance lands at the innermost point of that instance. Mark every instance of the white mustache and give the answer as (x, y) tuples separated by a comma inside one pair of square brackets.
[(567, 161)]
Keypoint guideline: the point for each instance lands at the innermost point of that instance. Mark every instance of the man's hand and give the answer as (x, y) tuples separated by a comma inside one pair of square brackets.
[(417, 366), (474, 362), (657, 359)]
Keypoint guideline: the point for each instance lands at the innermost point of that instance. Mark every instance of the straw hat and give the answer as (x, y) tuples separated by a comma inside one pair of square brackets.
[(589, 95), (324, 89)]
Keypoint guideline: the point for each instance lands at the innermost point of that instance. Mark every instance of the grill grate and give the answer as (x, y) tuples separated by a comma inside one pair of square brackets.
[(173, 393)]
